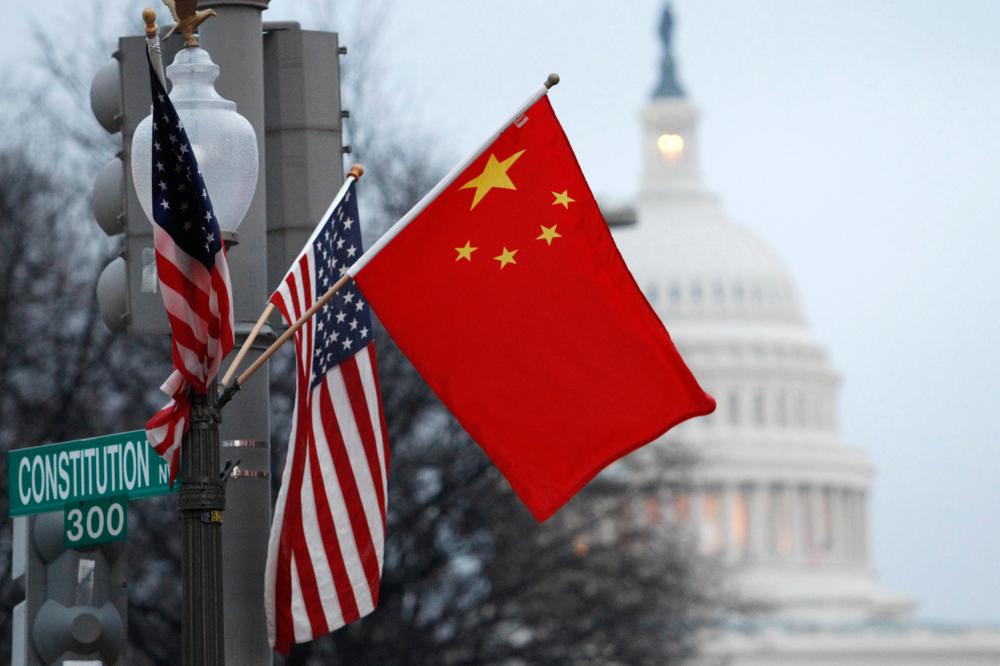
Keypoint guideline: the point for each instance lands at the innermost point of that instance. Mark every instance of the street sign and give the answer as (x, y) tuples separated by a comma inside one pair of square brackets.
[(45, 478), (92, 522)]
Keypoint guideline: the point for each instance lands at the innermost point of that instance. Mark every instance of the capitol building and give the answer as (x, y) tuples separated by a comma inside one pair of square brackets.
[(775, 494)]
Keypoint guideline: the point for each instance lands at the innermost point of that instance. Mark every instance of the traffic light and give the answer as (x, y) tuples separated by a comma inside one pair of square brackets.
[(75, 601), (127, 289), (304, 144)]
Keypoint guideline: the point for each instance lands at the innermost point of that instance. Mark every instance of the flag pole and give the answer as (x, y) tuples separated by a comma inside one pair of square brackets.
[(153, 43), (230, 390), (284, 337), (234, 366), (550, 81)]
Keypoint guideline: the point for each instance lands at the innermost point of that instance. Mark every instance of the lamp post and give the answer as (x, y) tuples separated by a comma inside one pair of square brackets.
[(225, 147)]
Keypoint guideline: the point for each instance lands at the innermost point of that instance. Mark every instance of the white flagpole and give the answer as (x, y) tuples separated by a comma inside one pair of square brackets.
[(394, 230)]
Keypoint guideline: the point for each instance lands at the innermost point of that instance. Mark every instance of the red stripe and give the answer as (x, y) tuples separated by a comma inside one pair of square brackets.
[(225, 299), (284, 629), (195, 297), (363, 419), (381, 412), (185, 335), (303, 560), (327, 530), (283, 621), (349, 487)]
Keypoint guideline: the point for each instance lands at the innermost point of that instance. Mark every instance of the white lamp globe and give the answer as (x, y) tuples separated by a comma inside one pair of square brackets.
[(223, 141)]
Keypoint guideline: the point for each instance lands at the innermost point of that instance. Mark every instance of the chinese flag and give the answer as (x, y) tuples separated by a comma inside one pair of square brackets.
[(509, 296)]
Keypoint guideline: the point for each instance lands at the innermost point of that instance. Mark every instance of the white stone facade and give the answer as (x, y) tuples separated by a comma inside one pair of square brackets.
[(775, 492)]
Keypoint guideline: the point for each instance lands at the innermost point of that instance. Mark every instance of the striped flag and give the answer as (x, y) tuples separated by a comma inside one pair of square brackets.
[(324, 558), (192, 271)]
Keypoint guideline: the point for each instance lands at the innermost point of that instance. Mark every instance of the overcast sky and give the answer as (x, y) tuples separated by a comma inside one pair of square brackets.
[(859, 137)]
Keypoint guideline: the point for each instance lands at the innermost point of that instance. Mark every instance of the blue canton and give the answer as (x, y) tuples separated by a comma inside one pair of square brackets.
[(181, 205), (343, 326)]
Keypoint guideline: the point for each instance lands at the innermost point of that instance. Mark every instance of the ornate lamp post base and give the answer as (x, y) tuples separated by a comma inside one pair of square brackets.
[(201, 501)]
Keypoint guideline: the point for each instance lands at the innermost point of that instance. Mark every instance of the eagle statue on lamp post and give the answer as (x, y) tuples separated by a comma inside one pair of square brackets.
[(187, 19)]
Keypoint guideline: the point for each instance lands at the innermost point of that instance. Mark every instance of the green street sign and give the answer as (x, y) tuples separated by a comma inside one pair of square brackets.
[(95, 521), (45, 478)]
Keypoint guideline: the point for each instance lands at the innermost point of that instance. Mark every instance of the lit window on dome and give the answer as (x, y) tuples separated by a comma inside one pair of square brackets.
[(675, 294), (718, 293), (681, 508), (696, 292), (740, 523), (710, 527), (653, 514), (651, 293), (671, 146), (738, 293), (781, 522)]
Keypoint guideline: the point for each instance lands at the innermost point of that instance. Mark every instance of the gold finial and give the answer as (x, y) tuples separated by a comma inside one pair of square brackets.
[(357, 171), (149, 17), (187, 18)]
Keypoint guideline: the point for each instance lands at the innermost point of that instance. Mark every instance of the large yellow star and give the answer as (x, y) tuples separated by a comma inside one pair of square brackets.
[(493, 175), (563, 198), (465, 252), (548, 233), (506, 257)]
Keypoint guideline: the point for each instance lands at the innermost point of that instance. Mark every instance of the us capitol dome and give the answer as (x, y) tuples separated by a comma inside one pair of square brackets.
[(774, 494)]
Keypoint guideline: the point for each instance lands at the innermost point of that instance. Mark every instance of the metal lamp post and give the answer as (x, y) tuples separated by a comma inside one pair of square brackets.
[(225, 147)]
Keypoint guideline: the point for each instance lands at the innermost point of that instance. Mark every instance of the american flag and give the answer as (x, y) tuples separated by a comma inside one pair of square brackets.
[(324, 558), (193, 274)]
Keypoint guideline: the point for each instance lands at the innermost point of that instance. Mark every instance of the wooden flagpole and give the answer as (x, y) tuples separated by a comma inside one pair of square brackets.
[(254, 332), (284, 337)]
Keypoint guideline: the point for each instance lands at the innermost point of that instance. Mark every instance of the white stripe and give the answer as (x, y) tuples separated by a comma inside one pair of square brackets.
[(180, 308), (440, 187), (222, 265), (365, 363), (158, 435), (191, 361), (317, 553), (341, 519), (301, 628), (187, 265), (356, 455), (175, 446), (307, 331)]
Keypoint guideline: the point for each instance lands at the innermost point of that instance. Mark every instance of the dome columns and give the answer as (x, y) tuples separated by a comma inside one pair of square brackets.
[(811, 525)]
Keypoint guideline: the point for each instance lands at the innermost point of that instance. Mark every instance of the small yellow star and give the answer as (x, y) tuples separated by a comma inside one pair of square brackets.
[(563, 198), (506, 257), (494, 175), (549, 233), (465, 252)]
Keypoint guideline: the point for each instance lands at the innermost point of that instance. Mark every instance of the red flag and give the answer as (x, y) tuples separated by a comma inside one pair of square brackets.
[(507, 293)]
